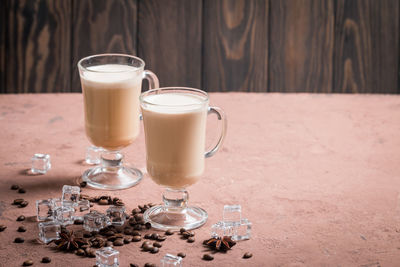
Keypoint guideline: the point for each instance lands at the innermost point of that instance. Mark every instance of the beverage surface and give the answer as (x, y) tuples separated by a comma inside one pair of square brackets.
[(175, 138), (111, 100)]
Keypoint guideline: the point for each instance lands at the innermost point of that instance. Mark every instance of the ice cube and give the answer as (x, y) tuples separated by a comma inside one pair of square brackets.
[(242, 231), (232, 214), (221, 229), (49, 231), (116, 215), (93, 155), (171, 260), (64, 215), (40, 163), (71, 193), (95, 221), (107, 257), (44, 210)]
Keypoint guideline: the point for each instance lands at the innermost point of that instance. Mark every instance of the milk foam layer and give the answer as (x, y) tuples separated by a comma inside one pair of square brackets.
[(175, 138), (111, 99)]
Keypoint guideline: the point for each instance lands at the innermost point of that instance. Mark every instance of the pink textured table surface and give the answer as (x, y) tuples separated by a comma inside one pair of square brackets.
[(317, 175)]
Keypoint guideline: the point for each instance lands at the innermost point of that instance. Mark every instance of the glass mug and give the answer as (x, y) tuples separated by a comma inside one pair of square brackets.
[(174, 121), (111, 86)]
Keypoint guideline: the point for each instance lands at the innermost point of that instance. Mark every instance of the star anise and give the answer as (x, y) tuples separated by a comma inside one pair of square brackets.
[(222, 244), (68, 241)]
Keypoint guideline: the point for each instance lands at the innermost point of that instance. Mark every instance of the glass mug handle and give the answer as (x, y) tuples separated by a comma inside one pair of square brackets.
[(153, 83), (221, 117)]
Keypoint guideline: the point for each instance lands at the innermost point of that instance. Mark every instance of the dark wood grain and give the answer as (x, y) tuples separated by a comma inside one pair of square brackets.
[(3, 52), (38, 46), (102, 26), (301, 46), (169, 40), (366, 46), (235, 53)]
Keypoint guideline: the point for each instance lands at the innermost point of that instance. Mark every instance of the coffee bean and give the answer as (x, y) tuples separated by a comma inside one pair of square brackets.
[(2, 228), (135, 211), (109, 244), (109, 233), (27, 263), (157, 244), (118, 242), (23, 204), (137, 227), (119, 203), (80, 252), (190, 239), (186, 234), (181, 254), (128, 231), (83, 184), (103, 202), (21, 229), (169, 232), (147, 247), (87, 234), (145, 243), (138, 217), (154, 236), (46, 260), (161, 238), (127, 240), (18, 201), (112, 238), (148, 225), (136, 238), (147, 236), (147, 264), (247, 255), (19, 240), (21, 190), (91, 253), (154, 250), (14, 187), (133, 265), (208, 257), (134, 233), (182, 230)]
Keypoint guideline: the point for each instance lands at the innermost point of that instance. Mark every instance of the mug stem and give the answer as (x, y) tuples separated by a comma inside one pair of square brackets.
[(175, 200)]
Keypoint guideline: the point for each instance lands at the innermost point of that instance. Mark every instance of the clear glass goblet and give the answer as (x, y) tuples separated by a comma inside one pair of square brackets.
[(111, 86), (175, 132)]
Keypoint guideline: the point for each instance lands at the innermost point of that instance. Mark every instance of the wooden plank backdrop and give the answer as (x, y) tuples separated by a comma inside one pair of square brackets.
[(339, 46)]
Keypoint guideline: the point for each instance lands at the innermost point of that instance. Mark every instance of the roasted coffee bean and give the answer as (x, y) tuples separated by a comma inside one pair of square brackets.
[(182, 230), (19, 240), (128, 231), (127, 240), (21, 218), (91, 253), (145, 243), (191, 239), (21, 190), (2, 228), (109, 244), (161, 238), (137, 227), (147, 264), (118, 242), (247, 255), (133, 265), (109, 233), (169, 232), (136, 238), (154, 250), (80, 252), (208, 257), (181, 254), (112, 238), (78, 222), (186, 234), (18, 201), (148, 225), (147, 247), (14, 187), (23, 204), (154, 236), (147, 236), (46, 260), (136, 233), (27, 263), (83, 184), (21, 229), (157, 244), (138, 217), (103, 202), (135, 211)]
